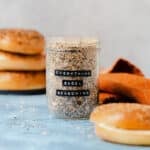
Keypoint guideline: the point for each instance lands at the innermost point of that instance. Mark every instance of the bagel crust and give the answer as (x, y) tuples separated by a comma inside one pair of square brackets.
[(21, 41), (130, 116), (17, 62), (19, 81), (123, 136), (126, 123)]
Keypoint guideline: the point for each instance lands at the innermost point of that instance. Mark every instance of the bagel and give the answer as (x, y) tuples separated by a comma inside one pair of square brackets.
[(19, 81), (126, 123), (21, 41), (122, 65), (17, 62), (125, 84)]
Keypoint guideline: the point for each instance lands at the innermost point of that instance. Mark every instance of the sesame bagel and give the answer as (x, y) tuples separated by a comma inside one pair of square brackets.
[(21, 41), (125, 123)]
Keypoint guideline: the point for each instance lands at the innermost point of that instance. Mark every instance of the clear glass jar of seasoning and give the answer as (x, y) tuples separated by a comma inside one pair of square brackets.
[(71, 73)]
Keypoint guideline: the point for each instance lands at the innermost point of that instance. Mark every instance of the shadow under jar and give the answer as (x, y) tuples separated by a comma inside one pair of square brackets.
[(72, 69)]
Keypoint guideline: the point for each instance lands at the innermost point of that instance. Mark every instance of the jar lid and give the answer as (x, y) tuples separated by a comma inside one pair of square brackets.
[(69, 43)]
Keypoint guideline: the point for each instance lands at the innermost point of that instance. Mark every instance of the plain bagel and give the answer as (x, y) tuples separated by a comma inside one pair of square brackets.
[(17, 62), (19, 81)]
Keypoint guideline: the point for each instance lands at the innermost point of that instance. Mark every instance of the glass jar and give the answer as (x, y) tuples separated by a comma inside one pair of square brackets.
[(71, 71)]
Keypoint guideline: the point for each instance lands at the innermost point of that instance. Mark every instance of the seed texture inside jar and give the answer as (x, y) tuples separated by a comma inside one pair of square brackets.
[(71, 77)]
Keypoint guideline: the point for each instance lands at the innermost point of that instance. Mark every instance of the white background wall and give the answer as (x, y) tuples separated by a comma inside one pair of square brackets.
[(122, 25)]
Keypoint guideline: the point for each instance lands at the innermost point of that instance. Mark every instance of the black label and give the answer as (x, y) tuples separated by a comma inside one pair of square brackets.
[(74, 73), (72, 83), (72, 92)]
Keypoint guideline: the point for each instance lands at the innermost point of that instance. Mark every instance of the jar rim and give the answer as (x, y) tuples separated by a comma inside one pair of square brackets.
[(72, 42)]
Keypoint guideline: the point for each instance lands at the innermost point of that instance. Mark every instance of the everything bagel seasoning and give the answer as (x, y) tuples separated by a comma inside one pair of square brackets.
[(71, 77)]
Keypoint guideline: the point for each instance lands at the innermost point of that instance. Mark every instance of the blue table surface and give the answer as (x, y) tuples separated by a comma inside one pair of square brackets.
[(26, 124)]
